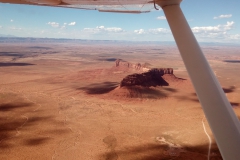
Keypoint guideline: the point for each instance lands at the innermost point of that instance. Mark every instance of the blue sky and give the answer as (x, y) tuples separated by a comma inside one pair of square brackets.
[(210, 20)]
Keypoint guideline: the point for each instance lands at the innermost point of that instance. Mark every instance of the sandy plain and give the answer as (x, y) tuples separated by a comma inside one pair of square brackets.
[(61, 101)]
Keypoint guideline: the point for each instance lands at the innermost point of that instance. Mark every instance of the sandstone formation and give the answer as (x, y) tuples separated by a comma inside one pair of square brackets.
[(137, 66), (147, 79)]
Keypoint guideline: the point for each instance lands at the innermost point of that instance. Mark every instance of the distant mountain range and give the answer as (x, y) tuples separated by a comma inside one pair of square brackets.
[(6, 38), (14, 39), (6, 35)]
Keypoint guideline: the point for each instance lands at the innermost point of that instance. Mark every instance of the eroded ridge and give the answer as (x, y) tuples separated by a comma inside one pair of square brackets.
[(153, 77)]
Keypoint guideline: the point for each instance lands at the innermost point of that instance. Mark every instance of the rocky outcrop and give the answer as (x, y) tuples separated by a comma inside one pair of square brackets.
[(147, 79), (137, 66), (161, 71)]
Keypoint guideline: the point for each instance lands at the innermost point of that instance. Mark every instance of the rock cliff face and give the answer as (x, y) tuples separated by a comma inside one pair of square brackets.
[(137, 66), (147, 79)]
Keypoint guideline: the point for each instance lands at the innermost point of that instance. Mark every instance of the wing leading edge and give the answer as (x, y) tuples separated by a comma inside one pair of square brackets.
[(120, 6)]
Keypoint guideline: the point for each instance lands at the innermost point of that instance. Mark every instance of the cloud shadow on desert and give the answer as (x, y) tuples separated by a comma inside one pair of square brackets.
[(15, 120), (229, 89), (109, 59), (10, 127), (11, 54), (173, 90), (100, 88), (232, 61), (155, 151), (193, 97), (234, 104), (36, 141), (12, 106), (10, 64), (226, 90), (39, 47)]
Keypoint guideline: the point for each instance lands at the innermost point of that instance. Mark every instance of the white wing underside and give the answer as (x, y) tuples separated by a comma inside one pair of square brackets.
[(122, 6)]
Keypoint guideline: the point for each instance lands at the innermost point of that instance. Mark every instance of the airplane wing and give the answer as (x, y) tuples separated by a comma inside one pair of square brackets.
[(121, 6)]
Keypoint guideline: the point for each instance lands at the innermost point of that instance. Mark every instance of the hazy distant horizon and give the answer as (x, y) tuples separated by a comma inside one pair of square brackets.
[(13, 39)]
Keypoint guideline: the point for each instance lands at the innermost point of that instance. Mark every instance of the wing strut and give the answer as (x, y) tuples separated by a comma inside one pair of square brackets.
[(220, 115)]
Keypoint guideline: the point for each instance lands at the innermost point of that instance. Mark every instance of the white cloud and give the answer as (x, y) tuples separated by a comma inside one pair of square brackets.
[(102, 29), (11, 20), (223, 16), (159, 30), (152, 31), (216, 32), (53, 24), (63, 27), (72, 24), (15, 28), (229, 25), (161, 18), (235, 37), (139, 31), (57, 25), (214, 29), (114, 29), (206, 29), (0, 27)]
